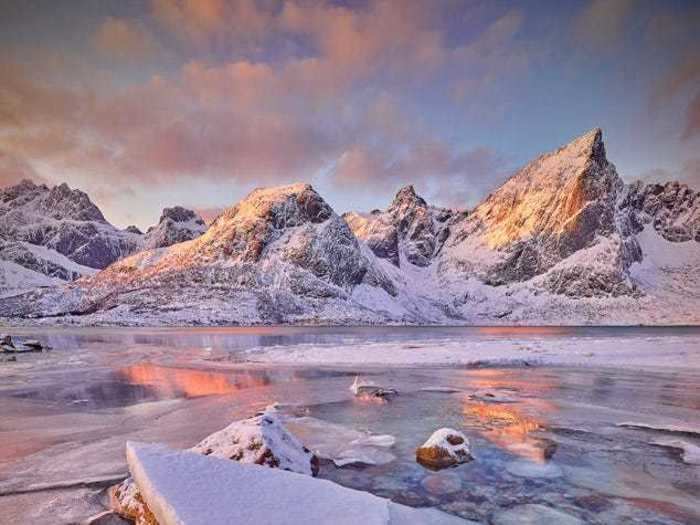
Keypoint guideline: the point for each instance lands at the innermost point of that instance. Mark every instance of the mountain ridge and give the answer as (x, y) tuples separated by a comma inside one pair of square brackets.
[(562, 240)]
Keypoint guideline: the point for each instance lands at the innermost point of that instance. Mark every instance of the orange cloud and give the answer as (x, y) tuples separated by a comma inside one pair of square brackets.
[(123, 39)]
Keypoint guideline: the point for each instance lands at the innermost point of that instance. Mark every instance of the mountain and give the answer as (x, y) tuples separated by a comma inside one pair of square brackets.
[(176, 225), (279, 254), (409, 229), (563, 241), (561, 204), (50, 235)]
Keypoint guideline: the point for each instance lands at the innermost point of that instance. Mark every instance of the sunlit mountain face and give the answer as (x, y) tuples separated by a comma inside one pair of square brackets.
[(150, 104)]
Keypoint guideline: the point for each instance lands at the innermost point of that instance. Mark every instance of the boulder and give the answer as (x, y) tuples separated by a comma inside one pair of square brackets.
[(445, 448)]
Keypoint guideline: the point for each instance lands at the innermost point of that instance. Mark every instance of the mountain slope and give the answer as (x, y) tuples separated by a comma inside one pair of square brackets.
[(561, 204), (279, 254), (55, 234), (409, 229), (563, 241)]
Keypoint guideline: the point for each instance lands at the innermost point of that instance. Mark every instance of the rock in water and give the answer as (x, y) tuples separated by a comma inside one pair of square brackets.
[(260, 440), (366, 389), (445, 448)]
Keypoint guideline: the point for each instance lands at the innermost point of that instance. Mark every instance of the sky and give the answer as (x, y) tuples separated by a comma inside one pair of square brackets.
[(147, 104)]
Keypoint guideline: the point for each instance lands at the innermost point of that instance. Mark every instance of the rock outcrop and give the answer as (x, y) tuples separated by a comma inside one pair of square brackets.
[(409, 228), (672, 208), (175, 225)]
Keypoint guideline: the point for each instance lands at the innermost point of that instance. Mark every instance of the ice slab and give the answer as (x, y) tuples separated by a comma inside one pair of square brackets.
[(341, 444), (185, 488)]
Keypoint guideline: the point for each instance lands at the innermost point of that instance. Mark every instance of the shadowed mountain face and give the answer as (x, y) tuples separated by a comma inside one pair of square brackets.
[(63, 220), (563, 230), (59, 233), (408, 229)]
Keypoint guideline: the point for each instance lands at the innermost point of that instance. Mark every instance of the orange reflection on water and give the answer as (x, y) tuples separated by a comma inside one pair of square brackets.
[(507, 426), (509, 380), (170, 381)]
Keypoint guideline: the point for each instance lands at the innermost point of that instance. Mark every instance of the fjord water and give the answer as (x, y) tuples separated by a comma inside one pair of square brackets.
[(555, 442)]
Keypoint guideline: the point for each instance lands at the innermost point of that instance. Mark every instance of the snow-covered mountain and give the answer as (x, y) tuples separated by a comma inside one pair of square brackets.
[(561, 204), (176, 225), (562, 241), (409, 230), (50, 235), (280, 254)]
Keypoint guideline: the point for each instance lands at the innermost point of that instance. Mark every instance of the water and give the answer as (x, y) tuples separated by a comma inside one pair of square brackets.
[(66, 414)]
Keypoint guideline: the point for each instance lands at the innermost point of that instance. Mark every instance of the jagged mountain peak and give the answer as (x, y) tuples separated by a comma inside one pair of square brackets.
[(406, 197), (283, 206), (408, 228), (176, 225), (590, 144), (553, 194), (558, 204)]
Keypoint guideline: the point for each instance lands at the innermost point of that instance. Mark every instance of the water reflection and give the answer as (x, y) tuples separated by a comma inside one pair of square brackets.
[(186, 382)]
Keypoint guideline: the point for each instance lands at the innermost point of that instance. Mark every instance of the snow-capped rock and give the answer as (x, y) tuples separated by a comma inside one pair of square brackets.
[(261, 440), (446, 447), (408, 228), (176, 225), (63, 221), (673, 209)]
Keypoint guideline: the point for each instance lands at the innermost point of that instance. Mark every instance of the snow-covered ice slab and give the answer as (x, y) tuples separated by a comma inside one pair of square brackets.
[(185, 488)]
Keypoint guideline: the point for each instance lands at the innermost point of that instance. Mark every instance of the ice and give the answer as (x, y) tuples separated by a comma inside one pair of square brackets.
[(341, 444), (690, 453), (184, 487), (670, 428)]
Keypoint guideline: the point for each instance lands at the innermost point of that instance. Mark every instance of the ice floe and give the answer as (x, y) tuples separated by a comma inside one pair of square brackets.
[(183, 487)]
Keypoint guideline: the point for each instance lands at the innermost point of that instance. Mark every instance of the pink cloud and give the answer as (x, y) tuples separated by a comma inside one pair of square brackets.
[(123, 39)]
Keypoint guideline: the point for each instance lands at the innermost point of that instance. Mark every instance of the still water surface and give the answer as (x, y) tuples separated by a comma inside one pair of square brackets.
[(66, 414)]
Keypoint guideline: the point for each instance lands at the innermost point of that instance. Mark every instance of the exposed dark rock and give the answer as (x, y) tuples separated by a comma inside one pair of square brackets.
[(176, 225), (409, 226)]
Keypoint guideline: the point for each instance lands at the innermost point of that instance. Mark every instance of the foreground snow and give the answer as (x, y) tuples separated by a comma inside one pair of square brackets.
[(188, 488), (659, 351)]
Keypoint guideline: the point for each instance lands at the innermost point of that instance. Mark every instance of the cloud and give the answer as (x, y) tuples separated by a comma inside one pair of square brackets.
[(14, 170), (692, 118), (602, 23), (122, 39)]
